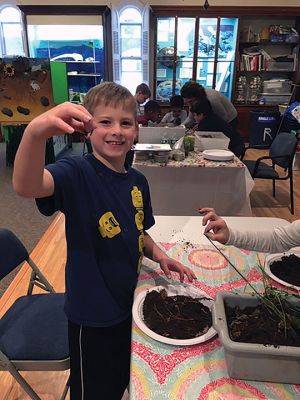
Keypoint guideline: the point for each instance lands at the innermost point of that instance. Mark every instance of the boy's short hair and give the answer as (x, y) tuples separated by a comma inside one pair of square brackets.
[(192, 89), (144, 89), (109, 93), (151, 105), (201, 107), (176, 101)]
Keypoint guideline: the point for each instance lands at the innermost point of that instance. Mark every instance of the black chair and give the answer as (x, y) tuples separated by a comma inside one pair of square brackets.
[(34, 330), (281, 154)]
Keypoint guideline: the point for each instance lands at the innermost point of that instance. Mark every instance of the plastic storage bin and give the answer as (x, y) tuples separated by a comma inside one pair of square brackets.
[(280, 66), (211, 140), (252, 361), (263, 127), (277, 86)]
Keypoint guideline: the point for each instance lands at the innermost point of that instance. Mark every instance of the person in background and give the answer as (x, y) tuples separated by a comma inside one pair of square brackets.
[(142, 93), (191, 91), (269, 240), (107, 213), (152, 114), (177, 115), (208, 121)]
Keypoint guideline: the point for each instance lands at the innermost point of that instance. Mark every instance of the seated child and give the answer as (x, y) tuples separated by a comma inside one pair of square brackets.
[(177, 114), (273, 240), (208, 121), (151, 115)]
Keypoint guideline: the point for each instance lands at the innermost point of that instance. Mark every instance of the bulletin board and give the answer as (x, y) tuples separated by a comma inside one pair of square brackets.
[(25, 89)]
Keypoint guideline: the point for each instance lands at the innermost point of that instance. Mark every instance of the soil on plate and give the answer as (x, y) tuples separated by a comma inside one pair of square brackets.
[(287, 269), (258, 325), (176, 317)]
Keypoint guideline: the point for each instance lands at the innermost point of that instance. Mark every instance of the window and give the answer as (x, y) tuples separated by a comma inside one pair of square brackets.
[(11, 32), (131, 47), (202, 49)]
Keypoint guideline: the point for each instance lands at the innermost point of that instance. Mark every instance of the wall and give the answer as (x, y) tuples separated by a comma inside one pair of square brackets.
[(286, 3)]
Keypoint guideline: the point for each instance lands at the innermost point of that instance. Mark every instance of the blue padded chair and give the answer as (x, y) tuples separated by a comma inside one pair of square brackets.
[(281, 154), (34, 330)]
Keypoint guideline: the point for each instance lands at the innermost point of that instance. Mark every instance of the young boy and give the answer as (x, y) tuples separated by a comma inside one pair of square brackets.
[(151, 115), (177, 115), (107, 211), (269, 240), (142, 93), (208, 121)]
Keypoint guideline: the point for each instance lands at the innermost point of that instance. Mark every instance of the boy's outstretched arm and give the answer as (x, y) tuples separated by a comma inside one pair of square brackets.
[(30, 179), (167, 264)]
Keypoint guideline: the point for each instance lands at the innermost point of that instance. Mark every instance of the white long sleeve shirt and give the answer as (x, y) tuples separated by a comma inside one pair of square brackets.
[(269, 241)]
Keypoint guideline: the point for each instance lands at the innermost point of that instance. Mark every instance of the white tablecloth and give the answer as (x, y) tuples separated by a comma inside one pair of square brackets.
[(181, 188)]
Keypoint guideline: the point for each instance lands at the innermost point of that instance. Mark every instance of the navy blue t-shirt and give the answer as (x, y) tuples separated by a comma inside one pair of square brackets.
[(106, 214)]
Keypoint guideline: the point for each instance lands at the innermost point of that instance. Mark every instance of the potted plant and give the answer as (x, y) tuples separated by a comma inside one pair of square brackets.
[(260, 332)]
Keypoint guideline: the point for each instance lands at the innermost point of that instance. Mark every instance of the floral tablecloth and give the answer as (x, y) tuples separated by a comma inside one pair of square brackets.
[(160, 371), (194, 159)]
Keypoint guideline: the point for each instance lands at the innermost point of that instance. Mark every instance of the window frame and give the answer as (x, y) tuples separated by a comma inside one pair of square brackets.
[(3, 45)]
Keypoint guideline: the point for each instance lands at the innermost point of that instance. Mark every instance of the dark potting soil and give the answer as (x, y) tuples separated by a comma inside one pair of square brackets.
[(258, 325), (287, 269), (176, 317)]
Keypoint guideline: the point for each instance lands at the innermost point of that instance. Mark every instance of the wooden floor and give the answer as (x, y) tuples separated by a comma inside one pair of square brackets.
[(50, 253)]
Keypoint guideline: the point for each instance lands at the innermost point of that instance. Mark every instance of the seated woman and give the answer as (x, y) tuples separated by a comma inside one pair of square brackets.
[(210, 122), (151, 115)]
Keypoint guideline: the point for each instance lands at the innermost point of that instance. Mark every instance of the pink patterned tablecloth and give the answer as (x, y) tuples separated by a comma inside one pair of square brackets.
[(160, 371)]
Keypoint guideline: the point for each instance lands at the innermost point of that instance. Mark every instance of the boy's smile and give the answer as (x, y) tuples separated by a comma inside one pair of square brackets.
[(114, 131)]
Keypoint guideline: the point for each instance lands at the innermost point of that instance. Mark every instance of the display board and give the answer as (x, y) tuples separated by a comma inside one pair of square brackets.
[(25, 88)]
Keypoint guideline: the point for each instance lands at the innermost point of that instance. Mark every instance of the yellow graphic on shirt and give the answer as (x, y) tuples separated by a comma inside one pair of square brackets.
[(139, 218), (137, 197), (108, 225), (139, 264), (141, 243)]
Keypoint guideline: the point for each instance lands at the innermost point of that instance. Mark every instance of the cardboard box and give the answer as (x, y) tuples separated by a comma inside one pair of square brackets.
[(210, 141)]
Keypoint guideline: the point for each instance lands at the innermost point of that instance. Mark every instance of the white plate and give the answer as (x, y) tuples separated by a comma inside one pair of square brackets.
[(274, 257), (137, 312), (218, 155), (152, 147)]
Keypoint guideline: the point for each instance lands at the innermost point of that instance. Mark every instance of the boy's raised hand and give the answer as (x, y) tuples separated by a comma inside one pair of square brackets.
[(167, 265), (216, 228), (64, 118)]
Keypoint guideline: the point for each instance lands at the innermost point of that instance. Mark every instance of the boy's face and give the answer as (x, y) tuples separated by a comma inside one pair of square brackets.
[(115, 131), (141, 97), (154, 115), (176, 112), (198, 117)]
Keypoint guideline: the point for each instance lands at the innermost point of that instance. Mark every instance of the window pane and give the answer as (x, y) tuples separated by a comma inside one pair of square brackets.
[(224, 80), (207, 37), (13, 39), (131, 65), (131, 40), (165, 36), (10, 14), (185, 37), (227, 40), (205, 71), (130, 15), (131, 79), (184, 72)]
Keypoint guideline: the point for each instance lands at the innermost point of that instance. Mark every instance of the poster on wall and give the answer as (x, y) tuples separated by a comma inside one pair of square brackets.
[(25, 88)]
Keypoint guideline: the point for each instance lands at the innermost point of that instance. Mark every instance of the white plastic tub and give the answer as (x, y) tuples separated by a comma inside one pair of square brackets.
[(210, 141), (251, 361)]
